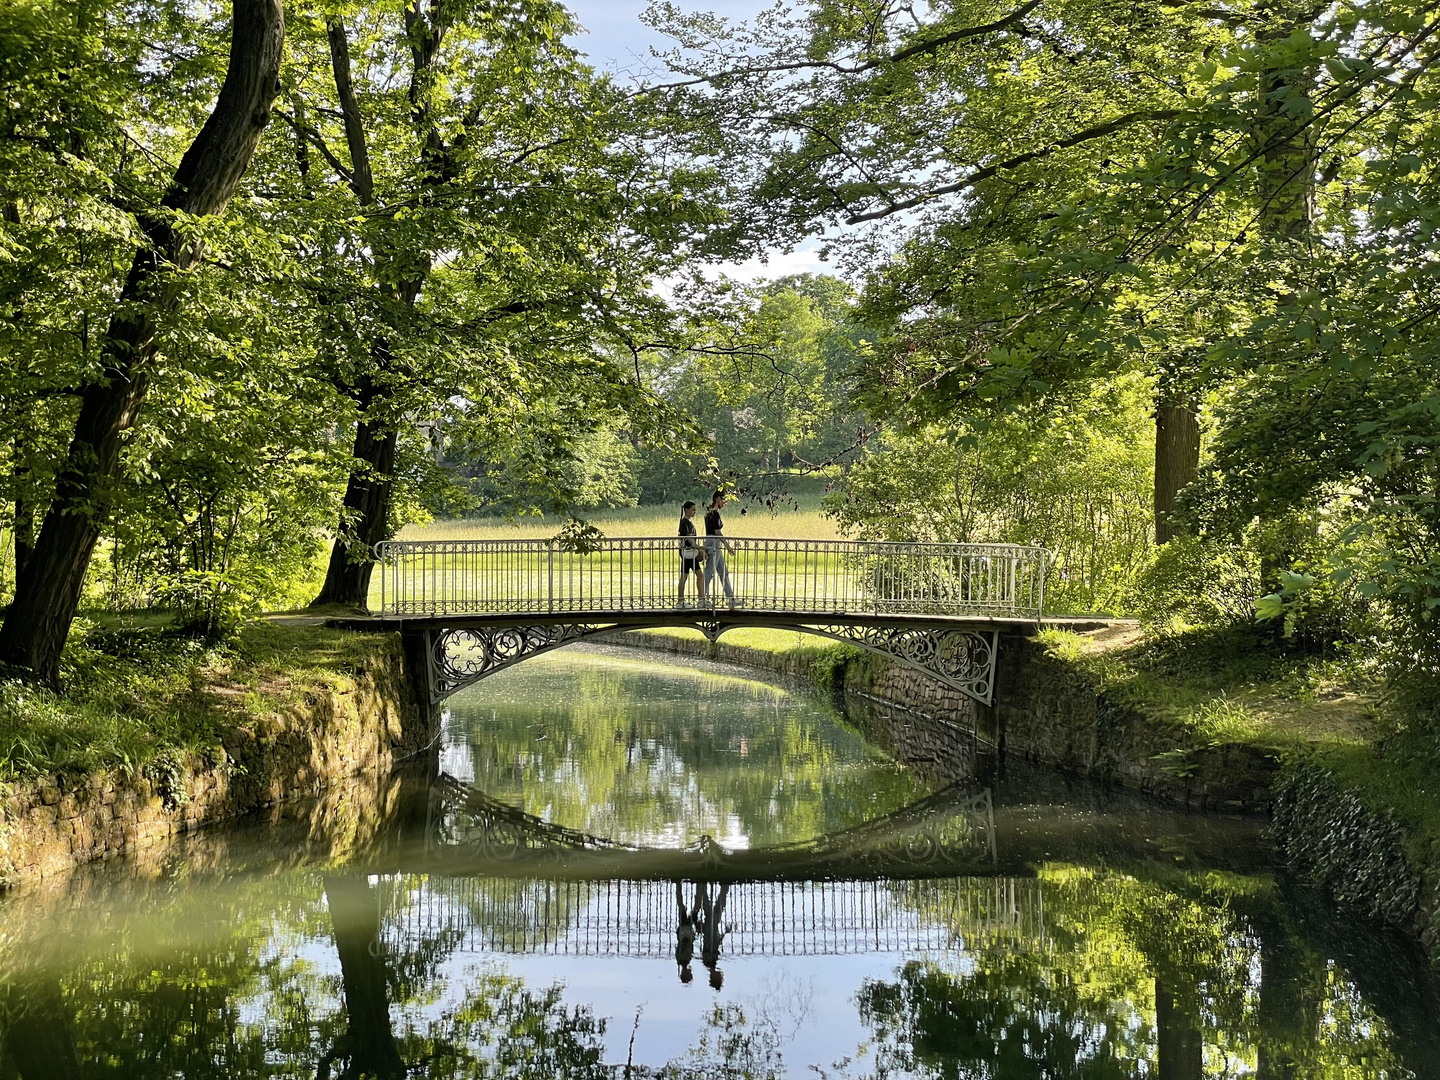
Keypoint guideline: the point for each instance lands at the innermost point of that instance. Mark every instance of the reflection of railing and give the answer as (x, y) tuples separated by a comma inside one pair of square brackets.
[(951, 831), (453, 577), (639, 918)]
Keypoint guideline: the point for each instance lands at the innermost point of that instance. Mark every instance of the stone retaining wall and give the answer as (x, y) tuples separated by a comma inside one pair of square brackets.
[(1045, 711), (1049, 712), (365, 724), (1328, 835)]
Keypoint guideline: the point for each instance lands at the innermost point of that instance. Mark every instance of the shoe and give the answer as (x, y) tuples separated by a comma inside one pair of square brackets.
[(683, 604), (736, 603)]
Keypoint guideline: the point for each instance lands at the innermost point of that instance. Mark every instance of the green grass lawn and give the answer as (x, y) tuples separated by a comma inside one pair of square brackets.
[(790, 523)]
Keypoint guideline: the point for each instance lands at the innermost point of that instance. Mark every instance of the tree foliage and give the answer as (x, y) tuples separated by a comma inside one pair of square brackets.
[(1232, 200)]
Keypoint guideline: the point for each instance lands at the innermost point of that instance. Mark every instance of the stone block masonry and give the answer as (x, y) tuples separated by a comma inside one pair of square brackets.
[(360, 725), (1045, 711)]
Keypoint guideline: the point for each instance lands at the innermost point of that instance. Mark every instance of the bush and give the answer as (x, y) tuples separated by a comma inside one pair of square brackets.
[(1194, 581)]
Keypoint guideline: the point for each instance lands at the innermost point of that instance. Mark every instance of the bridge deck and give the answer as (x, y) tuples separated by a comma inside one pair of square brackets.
[(630, 619), (478, 606)]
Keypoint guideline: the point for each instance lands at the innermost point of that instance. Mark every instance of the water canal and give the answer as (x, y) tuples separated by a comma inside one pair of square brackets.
[(516, 908)]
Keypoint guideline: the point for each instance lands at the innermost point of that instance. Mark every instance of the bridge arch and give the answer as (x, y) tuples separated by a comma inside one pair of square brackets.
[(962, 658)]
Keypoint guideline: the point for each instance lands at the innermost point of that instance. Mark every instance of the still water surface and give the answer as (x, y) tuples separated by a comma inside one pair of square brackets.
[(520, 916)]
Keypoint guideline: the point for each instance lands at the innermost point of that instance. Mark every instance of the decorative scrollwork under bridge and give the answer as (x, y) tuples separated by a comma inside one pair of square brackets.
[(461, 652), (951, 831)]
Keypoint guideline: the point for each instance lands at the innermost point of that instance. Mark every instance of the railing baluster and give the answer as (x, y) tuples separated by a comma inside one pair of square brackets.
[(638, 574)]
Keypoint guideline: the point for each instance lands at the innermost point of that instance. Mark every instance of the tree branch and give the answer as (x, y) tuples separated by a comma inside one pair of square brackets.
[(1096, 131), (361, 180), (316, 140)]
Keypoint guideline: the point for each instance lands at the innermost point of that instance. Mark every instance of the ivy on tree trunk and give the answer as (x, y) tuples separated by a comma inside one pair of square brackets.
[(48, 592)]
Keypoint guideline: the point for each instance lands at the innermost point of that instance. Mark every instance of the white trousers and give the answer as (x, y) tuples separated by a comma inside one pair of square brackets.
[(715, 567)]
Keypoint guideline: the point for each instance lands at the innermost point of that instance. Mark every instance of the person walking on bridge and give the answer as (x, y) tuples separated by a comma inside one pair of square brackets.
[(712, 933), (692, 556), (685, 932), (716, 547)]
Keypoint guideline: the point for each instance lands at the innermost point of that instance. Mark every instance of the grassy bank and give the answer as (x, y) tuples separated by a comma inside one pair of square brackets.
[(134, 691), (1232, 686)]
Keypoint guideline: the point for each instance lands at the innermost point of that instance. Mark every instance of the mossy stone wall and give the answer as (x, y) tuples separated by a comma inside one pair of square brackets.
[(361, 724), (1048, 711)]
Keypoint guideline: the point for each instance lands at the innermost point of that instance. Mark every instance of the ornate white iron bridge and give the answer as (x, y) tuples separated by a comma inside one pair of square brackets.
[(481, 605)]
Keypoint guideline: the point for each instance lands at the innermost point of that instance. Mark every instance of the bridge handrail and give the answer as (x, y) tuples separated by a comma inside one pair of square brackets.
[(441, 577)]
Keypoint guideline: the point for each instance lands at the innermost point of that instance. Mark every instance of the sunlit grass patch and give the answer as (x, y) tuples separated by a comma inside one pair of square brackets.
[(804, 523), (1229, 686)]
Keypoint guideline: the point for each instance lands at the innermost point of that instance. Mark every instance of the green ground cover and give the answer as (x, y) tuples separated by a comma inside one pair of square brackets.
[(1228, 685), (135, 690)]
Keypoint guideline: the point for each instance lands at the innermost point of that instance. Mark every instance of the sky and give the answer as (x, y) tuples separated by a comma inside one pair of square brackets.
[(616, 40)]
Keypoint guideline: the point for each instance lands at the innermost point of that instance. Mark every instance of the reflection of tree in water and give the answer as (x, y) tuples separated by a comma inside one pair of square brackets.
[(1194, 974), (502, 1030), (1198, 975), (622, 757)]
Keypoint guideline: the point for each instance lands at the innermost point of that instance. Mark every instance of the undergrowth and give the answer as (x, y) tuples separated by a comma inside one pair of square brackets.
[(135, 693), (1232, 685)]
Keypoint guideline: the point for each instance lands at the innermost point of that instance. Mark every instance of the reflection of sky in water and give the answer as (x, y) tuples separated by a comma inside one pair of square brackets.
[(793, 956)]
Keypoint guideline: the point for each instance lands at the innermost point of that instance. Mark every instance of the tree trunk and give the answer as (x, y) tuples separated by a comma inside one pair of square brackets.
[(39, 1037), (1286, 138), (365, 518), (1179, 1049), (1177, 454), (48, 593), (369, 1039)]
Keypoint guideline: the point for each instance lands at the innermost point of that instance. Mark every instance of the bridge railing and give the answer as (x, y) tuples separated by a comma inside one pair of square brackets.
[(764, 918), (453, 577)]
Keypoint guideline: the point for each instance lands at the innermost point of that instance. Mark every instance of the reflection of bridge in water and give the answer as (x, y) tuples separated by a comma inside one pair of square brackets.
[(489, 877), (768, 918), (950, 832)]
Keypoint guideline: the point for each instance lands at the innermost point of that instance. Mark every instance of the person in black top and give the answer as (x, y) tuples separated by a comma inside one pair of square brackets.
[(711, 932), (691, 555), (716, 547), (685, 932)]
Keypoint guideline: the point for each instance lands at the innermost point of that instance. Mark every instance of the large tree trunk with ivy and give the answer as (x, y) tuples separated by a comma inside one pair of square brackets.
[(1286, 146), (1177, 455), (365, 516), (48, 592)]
